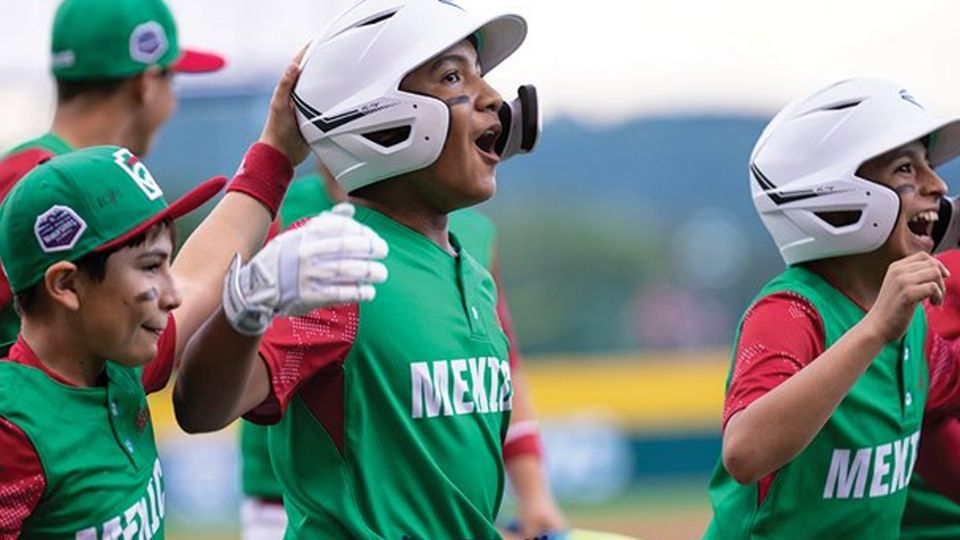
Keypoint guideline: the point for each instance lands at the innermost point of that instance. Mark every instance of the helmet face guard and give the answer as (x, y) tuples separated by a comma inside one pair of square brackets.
[(521, 123), (803, 168), (351, 110)]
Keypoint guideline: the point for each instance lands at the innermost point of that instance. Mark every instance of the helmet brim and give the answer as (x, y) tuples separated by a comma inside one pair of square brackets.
[(498, 38), (946, 141)]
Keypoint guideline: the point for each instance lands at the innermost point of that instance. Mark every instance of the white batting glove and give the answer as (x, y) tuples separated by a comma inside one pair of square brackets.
[(331, 259)]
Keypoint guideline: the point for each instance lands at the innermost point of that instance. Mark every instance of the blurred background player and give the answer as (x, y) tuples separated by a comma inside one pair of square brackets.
[(830, 377), (262, 514), (933, 501), (114, 62), (392, 425)]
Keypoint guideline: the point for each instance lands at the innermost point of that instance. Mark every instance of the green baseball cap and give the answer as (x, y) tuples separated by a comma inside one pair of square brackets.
[(81, 202), (113, 39)]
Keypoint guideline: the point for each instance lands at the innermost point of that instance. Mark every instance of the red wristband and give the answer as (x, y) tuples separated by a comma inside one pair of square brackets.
[(523, 438), (264, 174)]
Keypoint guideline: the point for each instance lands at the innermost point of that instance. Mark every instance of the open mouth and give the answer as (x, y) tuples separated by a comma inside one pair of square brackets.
[(922, 224), (487, 141), (155, 330)]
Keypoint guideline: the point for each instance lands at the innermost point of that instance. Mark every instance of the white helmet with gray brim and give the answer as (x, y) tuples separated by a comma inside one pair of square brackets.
[(348, 101), (803, 167)]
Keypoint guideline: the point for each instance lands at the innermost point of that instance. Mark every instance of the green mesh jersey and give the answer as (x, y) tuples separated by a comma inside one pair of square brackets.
[(96, 447), (851, 480), (307, 197), (395, 409), (929, 515), (10, 172)]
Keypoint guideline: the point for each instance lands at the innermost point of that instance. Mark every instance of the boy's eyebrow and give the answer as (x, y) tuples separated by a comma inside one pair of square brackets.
[(154, 253)]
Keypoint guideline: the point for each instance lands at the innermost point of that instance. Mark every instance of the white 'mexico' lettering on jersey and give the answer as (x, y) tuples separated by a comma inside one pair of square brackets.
[(139, 522), (847, 477), (460, 386)]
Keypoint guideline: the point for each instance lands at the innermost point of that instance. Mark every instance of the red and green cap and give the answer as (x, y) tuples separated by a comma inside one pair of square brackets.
[(81, 202), (114, 39)]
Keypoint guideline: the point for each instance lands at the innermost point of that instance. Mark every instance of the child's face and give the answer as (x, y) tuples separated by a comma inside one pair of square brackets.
[(463, 175), (124, 315), (907, 171)]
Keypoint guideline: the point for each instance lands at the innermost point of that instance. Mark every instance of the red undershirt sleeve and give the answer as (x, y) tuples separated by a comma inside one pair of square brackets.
[(22, 481), (780, 335), (299, 349), (295, 349)]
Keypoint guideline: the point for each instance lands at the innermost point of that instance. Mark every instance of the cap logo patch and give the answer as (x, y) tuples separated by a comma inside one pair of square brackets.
[(64, 59), (136, 170), (58, 229), (148, 42)]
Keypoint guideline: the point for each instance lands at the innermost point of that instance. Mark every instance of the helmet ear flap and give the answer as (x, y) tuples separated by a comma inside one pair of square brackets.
[(387, 137)]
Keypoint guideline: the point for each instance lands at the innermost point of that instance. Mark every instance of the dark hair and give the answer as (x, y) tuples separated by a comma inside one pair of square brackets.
[(99, 88), (93, 264), (95, 88)]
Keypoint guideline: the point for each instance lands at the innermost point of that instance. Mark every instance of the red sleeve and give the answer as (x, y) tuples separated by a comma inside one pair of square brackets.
[(12, 169), (157, 373), (937, 461), (21, 480), (295, 349), (780, 335), (942, 346), (14, 166)]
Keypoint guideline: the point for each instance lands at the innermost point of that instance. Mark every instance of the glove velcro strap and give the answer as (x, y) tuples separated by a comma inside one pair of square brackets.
[(245, 318)]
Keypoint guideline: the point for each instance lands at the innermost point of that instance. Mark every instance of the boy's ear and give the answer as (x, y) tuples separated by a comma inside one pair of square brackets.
[(61, 283), (146, 85)]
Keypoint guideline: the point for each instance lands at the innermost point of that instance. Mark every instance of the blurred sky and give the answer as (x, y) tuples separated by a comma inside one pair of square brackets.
[(601, 61)]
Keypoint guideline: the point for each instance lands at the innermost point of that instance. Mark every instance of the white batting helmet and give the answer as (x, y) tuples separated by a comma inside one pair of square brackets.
[(348, 100), (803, 167)]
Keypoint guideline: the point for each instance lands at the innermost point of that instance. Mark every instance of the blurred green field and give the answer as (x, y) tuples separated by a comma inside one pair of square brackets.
[(661, 510)]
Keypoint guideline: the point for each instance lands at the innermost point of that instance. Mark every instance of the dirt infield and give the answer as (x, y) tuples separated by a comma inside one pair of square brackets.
[(676, 524)]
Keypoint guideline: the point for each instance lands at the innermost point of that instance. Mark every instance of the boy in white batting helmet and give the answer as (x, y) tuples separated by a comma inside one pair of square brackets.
[(392, 424), (832, 366)]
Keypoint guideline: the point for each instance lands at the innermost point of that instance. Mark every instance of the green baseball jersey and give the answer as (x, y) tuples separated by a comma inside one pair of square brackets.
[(307, 197), (392, 413), (96, 447), (14, 165), (851, 480)]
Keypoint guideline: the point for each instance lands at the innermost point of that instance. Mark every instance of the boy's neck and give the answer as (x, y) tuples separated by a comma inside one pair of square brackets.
[(83, 123), (402, 205), (857, 276), (61, 352)]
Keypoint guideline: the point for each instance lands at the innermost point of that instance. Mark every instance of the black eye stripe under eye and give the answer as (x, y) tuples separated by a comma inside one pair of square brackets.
[(458, 100)]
